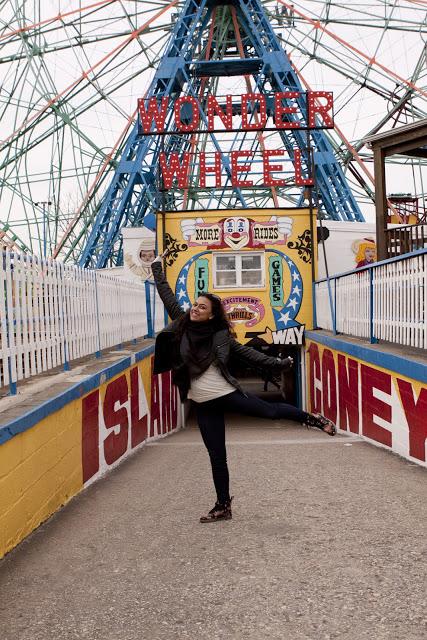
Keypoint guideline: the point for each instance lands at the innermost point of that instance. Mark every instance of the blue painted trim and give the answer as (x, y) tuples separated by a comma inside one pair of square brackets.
[(374, 265), (33, 417), (373, 355)]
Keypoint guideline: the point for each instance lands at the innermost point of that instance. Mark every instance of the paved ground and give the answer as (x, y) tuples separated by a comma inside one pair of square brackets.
[(327, 541)]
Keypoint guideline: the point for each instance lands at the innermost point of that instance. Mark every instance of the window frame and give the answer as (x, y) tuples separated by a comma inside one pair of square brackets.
[(238, 270)]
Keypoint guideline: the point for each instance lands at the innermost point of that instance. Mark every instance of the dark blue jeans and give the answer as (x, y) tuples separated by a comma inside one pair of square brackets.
[(210, 418)]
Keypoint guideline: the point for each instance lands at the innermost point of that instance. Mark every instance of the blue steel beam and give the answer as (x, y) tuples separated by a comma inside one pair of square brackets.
[(335, 196), (133, 195)]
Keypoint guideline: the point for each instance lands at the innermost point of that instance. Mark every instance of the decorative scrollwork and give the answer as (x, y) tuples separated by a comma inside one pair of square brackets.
[(303, 246), (174, 248)]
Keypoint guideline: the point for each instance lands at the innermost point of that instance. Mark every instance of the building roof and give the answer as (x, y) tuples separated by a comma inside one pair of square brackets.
[(410, 140)]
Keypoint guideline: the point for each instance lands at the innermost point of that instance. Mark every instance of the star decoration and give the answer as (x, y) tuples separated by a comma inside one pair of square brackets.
[(293, 303), (285, 317)]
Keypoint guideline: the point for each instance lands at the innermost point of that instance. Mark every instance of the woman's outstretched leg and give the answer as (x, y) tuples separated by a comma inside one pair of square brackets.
[(251, 405)]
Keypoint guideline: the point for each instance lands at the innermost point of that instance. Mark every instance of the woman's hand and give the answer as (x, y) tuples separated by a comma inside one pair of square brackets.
[(285, 364), (160, 258)]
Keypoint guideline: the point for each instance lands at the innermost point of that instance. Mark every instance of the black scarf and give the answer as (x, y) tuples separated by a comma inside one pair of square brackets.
[(196, 346)]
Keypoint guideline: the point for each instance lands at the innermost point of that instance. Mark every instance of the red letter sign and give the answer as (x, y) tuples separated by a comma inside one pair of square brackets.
[(193, 108), (214, 109), (90, 435), (116, 444), (153, 112), (315, 107), (416, 415), (269, 181), (315, 394), (236, 168), (175, 167), (372, 406), (260, 118), (348, 381), (329, 386)]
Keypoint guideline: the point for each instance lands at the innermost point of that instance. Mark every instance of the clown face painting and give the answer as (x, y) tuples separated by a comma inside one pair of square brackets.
[(236, 232)]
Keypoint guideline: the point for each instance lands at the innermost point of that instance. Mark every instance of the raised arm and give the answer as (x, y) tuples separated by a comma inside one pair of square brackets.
[(257, 359), (165, 292)]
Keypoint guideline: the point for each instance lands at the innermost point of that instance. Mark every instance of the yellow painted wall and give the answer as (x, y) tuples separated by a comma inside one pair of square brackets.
[(42, 468)]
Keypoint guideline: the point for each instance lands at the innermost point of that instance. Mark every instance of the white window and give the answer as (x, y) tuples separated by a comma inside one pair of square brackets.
[(238, 270)]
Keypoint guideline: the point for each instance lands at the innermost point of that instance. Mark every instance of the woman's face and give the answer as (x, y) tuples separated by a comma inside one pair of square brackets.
[(201, 310)]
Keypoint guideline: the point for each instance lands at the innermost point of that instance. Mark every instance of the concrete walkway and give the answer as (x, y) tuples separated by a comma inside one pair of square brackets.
[(328, 540)]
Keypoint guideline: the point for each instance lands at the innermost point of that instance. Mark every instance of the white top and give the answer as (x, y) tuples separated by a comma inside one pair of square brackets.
[(210, 385)]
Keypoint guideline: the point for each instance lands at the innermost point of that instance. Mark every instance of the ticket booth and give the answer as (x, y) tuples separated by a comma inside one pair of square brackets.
[(259, 262)]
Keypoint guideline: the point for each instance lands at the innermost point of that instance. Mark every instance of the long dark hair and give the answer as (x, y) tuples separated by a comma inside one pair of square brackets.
[(219, 321)]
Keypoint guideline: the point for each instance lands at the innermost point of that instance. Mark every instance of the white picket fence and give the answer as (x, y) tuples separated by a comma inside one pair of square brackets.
[(52, 313), (387, 301)]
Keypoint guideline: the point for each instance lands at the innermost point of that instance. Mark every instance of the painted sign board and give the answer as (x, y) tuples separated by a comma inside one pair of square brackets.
[(384, 406), (258, 261), (248, 112)]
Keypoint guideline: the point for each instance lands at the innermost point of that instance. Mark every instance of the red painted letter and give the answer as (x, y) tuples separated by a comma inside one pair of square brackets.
[(299, 180), (314, 107), (175, 167), (314, 374), (192, 124), (139, 424), (155, 426), (216, 169), (329, 386), (213, 109), (371, 406), (348, 383), (281, 110), (416, 415), (147, 116), (236, 168), (269, 181), (90, 435), (260, 118), (116, 444)]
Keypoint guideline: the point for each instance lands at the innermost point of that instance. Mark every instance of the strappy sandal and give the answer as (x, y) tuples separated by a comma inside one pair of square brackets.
[(221, 511), (318, 421)]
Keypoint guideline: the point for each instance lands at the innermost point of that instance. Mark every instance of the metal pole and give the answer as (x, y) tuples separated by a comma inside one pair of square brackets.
[(43, 204)]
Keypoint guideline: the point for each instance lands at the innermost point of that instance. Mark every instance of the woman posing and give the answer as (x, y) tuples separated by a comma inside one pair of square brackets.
[(197, 346)]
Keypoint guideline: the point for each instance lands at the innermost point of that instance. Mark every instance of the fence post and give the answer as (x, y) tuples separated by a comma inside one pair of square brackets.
[(9, 315), (335, 307), (332, 307), (119, 289), (313, 295), (372, 338), (150, 327), (13, 389), (63, 312), (97, 353)]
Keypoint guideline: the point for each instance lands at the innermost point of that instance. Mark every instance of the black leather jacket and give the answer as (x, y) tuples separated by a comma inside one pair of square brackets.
[(167, 353)]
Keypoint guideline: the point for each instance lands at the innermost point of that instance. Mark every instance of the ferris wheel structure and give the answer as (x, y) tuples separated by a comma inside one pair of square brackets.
[(74, 168)]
